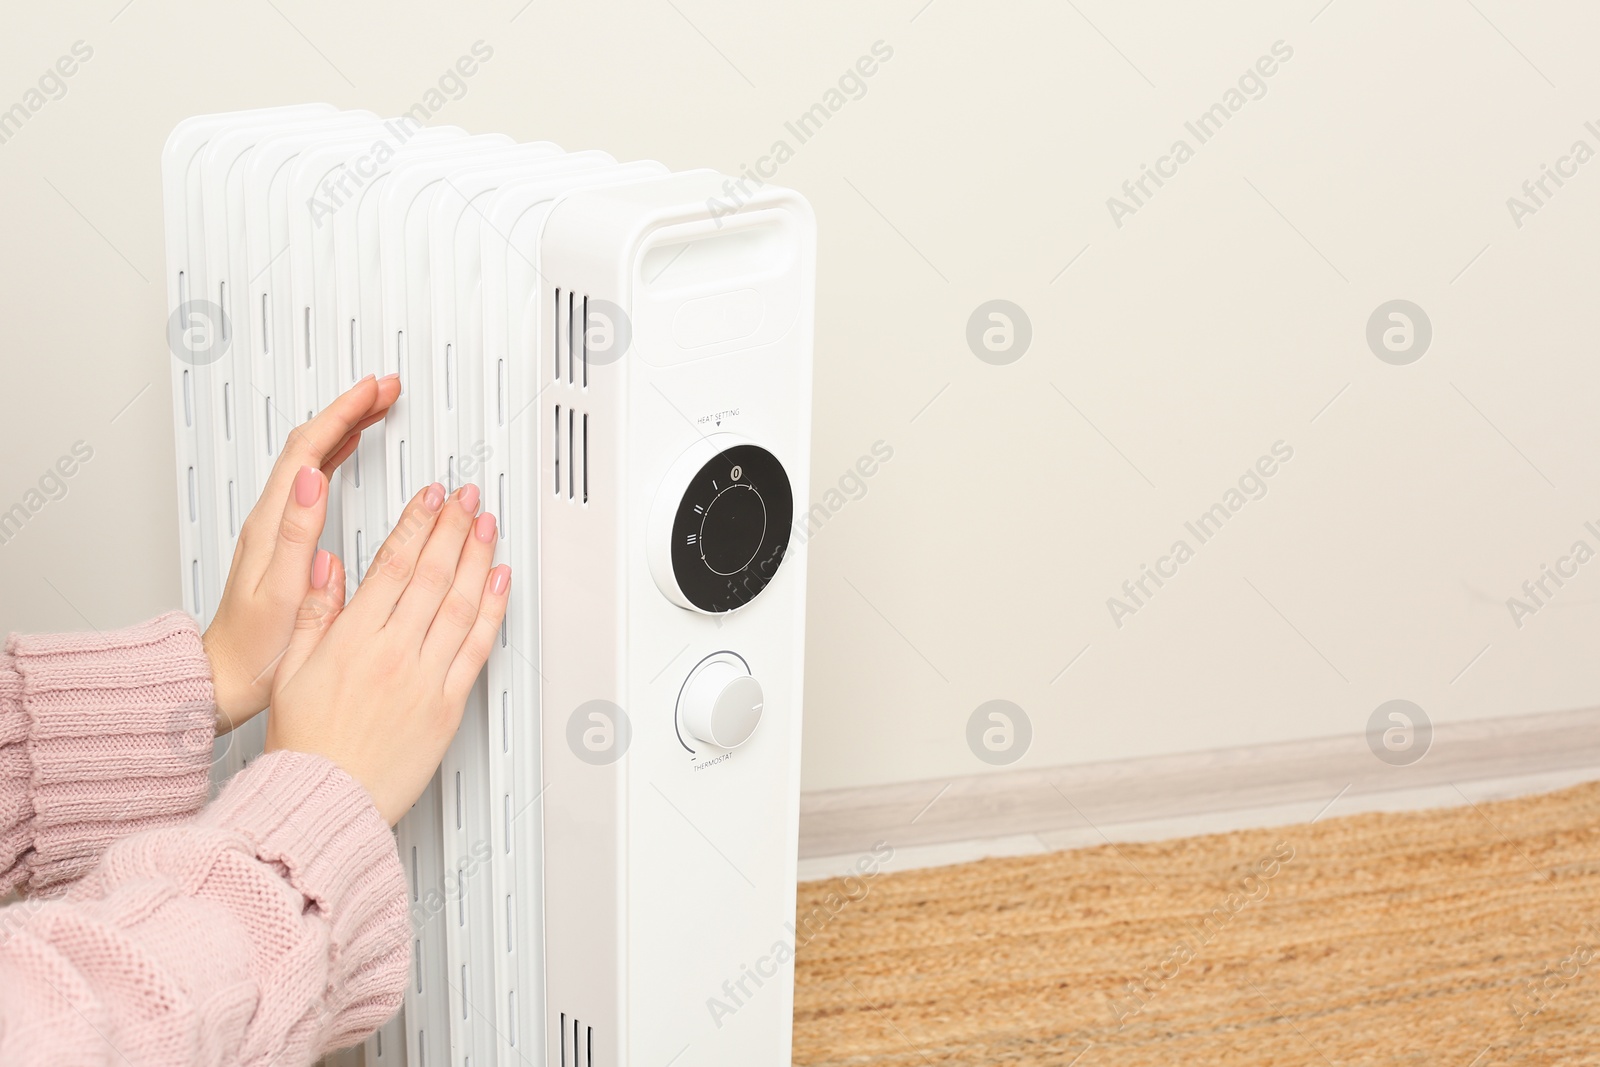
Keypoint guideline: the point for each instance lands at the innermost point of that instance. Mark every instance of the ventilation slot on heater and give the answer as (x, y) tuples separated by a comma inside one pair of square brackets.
[(450, 377), (188, 394), (581, 1040), (569, 318), (572, 336), (571, 442)]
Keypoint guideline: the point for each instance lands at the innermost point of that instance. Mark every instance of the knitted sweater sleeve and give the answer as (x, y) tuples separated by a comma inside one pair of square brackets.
[(268, 929), (101, 735)]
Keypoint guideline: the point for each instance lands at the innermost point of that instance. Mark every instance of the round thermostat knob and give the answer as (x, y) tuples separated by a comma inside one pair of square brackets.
[(722, 704)]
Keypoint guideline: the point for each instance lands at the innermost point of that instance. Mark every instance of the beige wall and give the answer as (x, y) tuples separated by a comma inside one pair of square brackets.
[(1168, 353)]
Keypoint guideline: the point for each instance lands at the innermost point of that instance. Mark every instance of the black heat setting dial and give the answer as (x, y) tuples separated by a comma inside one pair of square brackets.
[(731, 528)]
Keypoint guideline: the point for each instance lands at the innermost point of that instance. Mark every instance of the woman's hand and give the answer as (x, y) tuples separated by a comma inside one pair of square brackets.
[(276, 562), (378, 687)]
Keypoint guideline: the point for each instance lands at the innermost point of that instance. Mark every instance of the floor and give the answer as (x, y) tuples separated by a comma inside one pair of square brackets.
[(1462, 936)]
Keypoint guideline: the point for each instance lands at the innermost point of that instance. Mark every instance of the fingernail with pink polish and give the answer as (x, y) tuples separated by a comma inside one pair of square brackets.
[(499, 579), (469, 498), (307, 486), (321, 568), (483, 528), (433, 499)]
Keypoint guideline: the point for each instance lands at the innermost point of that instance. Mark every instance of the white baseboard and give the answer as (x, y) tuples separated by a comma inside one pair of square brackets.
[(1040, 809)]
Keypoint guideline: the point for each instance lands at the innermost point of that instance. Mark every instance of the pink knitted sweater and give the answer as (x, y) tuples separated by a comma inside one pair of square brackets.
[(267, 927)]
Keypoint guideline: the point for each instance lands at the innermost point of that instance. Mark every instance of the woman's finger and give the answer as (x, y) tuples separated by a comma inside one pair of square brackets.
[(342, 453), (455, 616), (348, 445), (311, 444), (474, 651), (323, 602), (396, 560), (385, 404), (436, 568), (295, 547)]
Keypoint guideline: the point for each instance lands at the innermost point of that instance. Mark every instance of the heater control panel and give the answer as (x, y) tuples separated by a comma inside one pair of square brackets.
[(721, 524), (672, 597)]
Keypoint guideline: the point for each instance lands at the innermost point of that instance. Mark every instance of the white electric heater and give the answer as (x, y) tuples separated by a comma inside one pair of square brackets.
[(603, 871)]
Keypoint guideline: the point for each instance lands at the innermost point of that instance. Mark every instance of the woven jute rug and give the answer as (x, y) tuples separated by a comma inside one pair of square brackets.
[(1468, 936)]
